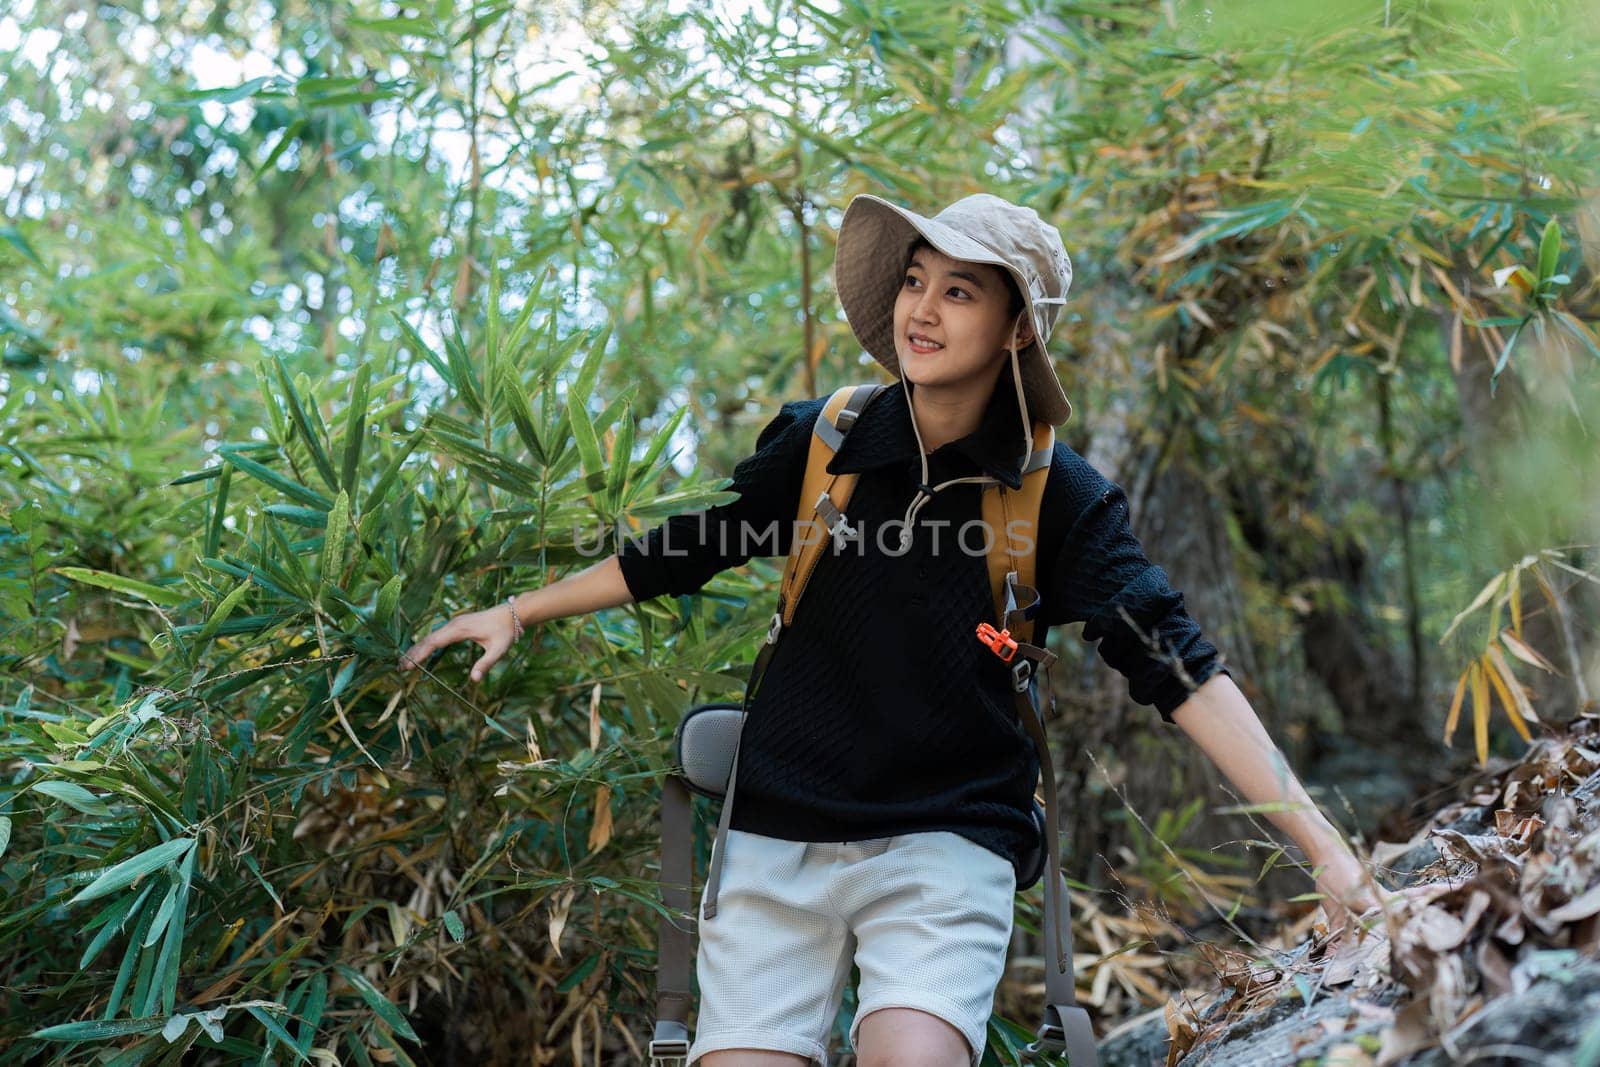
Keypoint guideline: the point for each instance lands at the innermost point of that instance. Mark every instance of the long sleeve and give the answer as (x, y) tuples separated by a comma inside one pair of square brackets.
[(1098, 572), (683, 553)]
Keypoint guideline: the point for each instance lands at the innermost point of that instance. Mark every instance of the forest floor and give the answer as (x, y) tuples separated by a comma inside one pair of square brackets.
[(1497, 960)]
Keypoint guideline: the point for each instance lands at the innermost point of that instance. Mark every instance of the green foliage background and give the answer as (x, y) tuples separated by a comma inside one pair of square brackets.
[(323, 322)]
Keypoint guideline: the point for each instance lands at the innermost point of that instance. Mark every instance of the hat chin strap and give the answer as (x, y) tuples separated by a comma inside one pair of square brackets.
[(924, 490), (1022, 399)]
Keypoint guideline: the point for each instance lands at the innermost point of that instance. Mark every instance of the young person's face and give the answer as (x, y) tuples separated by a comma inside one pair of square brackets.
[(962, 306)]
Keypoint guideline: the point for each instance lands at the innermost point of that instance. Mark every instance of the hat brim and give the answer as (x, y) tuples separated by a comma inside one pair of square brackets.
[(873, 240)]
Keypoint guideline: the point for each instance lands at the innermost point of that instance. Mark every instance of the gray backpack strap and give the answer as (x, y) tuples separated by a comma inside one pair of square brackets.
[(1064, 1025), (674, 942)]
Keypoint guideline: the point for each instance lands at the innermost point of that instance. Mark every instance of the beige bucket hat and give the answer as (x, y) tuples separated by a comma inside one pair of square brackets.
[(876, 236)]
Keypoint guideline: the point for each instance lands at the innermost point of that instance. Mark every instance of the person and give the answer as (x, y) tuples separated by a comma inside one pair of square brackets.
[(885, 782)]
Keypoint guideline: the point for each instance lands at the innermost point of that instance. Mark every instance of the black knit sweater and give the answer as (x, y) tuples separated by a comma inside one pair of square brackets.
[(881, 713)]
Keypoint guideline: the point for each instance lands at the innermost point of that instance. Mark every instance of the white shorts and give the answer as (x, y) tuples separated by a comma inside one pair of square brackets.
[(925, 916)]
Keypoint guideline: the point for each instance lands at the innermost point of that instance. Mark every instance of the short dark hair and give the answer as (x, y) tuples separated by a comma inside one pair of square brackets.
[(1014, 303)]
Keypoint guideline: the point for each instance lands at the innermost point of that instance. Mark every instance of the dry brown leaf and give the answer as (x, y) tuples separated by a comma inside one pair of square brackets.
[(600, 831), (1411, 1033), (1454, 717), (1438, 929), (534, 755), (1580, 907), (1494, 668), (1518, 690), (1526, 652), (558, 917), (1362, 955), (1182, 1029), (594, 718), (1493, 968)]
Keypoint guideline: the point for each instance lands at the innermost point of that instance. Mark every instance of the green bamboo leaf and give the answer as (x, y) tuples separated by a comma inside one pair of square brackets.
[(309, 518), (142, 1001), (308, 433), (295, 575), (346, 672), (583, 385), (288, 487), (491, 466), (219, 509), (381, 414), (621, 460), (1576, 329), (414, 339), (355, 429), (99, 1029), (12, 236), (493, 358), (172, 948), (269, 400), (388, 598), (132, 953), (267, 576), (1549, 249), (224, 610), (1500, 364), (455, 347), (521, 413), (73, 795), (379, 1003), (583, 436), (333, 541), (311, 1010), (5, 834), (680, 501), (133, 868), (380, 490), (232, 94), (117, 583), (277, 1033), (112, 919), (290, 133), (158, 925), (658, 443), (453, 924), (66, 735), (513, 341)]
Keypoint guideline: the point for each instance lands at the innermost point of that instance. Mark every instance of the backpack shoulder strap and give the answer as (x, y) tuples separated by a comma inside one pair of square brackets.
[(1012, 517), (822, 494), (1065, 1025)]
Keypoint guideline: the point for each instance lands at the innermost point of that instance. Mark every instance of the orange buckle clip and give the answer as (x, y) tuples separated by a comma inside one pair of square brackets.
[(1000, 642)]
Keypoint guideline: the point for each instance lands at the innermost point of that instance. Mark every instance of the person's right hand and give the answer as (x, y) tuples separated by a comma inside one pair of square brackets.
[(492, 628)]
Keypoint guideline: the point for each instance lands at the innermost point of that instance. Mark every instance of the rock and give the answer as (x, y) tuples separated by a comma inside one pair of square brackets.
[(1289, 1033), (1546, 1023)]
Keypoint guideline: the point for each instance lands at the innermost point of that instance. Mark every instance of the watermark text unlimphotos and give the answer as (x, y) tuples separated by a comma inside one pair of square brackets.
[(680, 539)]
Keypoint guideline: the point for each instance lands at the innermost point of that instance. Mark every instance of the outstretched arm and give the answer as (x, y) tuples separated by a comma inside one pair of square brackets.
[(1221, 721), (591, 589)]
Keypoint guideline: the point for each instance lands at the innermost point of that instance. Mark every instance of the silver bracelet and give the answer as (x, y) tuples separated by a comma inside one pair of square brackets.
[(516, 623)]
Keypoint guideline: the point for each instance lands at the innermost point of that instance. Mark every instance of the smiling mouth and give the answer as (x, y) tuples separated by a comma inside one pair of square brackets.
[(923, 345)]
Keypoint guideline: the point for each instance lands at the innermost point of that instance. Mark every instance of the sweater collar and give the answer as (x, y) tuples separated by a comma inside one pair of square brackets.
[(884, 435)]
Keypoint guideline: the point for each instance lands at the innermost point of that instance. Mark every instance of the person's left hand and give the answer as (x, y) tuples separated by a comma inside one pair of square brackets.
[(1350, 893)]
